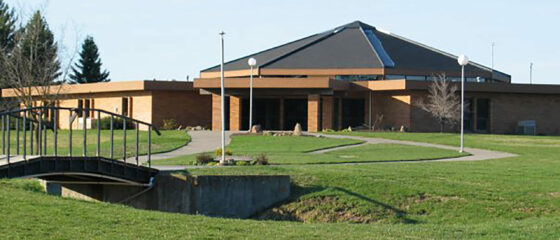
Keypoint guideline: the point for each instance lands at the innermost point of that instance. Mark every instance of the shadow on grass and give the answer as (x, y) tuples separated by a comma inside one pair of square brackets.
[(278, 213)]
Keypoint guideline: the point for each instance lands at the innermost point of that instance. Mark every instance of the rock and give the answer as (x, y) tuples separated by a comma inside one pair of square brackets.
[(349, 129), (198, 128), (402, 129), (297, 130), (256, 129)]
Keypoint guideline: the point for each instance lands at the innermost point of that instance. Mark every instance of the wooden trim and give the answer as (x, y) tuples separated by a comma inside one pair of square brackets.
[(122, 86)]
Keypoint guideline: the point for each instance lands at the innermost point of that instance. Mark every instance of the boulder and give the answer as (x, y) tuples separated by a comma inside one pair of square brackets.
[(297, 130), (256, 129)]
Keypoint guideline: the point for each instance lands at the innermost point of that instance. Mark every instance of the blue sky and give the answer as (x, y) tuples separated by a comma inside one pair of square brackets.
[(170, 39)]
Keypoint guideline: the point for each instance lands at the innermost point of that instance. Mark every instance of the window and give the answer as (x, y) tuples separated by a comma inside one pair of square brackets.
[(391, 77), (126, 106), (483, 115), (80, 107), (357, 77), (416, 78)]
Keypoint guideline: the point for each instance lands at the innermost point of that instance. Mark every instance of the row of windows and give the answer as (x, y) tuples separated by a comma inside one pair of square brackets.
[(126, 107), (407, 77)]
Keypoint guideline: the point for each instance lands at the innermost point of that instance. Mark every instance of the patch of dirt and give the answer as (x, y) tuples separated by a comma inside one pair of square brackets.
[(422, 197), (323, 209)]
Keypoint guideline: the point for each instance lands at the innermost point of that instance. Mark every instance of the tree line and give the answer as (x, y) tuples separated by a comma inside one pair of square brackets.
[(29, 55)]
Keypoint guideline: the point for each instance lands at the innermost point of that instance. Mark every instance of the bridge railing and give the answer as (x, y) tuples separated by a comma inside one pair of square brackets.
[(32, 121)]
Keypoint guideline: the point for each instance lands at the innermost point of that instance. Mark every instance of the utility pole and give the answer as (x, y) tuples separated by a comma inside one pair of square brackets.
[(493, 56), (531, 73), (222, 93)]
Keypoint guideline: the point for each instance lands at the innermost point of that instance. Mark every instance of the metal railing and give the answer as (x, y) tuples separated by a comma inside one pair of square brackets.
[(31, 121)]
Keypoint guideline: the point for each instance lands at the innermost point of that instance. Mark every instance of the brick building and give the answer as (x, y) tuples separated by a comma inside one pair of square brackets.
[(351, 74), (148, 101)]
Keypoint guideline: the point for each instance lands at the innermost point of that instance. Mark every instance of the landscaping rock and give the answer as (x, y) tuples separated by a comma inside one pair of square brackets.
[(256, 129), (297, 130)]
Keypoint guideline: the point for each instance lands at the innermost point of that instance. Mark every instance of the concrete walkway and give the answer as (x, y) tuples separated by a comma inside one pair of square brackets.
[(476, 154), (204, 141), (201, 141)]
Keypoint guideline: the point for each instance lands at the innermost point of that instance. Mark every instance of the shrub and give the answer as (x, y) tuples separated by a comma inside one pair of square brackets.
[(117, 123), (242, 163), (218, 152), (169, 124), (204, 158), (261, 159)]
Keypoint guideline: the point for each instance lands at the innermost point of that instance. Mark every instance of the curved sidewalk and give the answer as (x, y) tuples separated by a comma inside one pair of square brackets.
[(476, 153), (204, 141), (201, 141)]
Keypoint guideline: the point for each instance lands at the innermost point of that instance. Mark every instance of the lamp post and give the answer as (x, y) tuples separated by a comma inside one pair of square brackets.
[(222, 93), (252, 63), (463, 60)]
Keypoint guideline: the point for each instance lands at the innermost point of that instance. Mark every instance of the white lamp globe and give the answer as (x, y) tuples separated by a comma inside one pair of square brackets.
[(463, 60), (252, 62)]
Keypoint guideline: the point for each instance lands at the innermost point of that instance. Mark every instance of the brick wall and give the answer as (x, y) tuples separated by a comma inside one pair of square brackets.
[(313, 101), (188, 108)]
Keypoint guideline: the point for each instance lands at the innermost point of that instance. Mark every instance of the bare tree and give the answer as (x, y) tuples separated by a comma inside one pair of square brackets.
[(32, 70), (442, 102)]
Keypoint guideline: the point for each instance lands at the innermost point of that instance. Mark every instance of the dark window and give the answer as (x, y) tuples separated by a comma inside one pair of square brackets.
[(80, 107), (353, 112), (483, 115), (124, 107)]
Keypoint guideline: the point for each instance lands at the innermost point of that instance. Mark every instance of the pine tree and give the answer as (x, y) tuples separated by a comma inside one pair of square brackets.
[(7, 26), (88, 67), (39, 46)]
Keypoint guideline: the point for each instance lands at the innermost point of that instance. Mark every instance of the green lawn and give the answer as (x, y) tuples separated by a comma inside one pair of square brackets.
[(295, 150), (513, 198), (168, 141)]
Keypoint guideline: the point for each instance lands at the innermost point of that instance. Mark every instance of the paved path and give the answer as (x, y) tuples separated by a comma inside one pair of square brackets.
[(476, 154), (201, 141), (204, 141)]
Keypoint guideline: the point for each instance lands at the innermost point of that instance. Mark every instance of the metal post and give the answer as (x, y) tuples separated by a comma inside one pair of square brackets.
[(124, 139), (17, 136), (24, 135), (45, 139), (112, 134), (149, 146), (55, 134), (222, 92), (39, 135), (98, 134), (137, 140), (70, 135), (8, 139), (84, 126), (3, 134), (462, 107), (251, 101), (31, 138)]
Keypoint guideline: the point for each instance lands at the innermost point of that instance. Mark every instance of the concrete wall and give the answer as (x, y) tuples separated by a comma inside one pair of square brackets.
[(219, 196)]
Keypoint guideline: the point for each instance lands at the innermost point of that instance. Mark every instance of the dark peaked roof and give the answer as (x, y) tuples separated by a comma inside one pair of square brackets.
[(355, 45)]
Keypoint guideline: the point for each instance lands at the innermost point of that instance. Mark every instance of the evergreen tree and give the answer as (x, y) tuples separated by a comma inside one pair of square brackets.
[(7, 34), (39, 46), (7, 26), (88, 67)]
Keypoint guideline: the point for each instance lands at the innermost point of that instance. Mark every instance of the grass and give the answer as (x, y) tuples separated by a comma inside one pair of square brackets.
[(29, 214), (295, 150), (169, 140), (513, 198)]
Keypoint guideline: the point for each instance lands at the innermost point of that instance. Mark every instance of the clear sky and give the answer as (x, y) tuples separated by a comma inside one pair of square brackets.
[(170, 39)]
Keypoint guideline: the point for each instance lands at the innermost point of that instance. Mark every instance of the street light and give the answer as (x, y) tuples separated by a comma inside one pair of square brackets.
[(222, 92), (463, 60), (252, 63)]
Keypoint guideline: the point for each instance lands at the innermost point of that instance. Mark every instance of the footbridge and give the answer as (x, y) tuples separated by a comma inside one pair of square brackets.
[(100, 153)]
